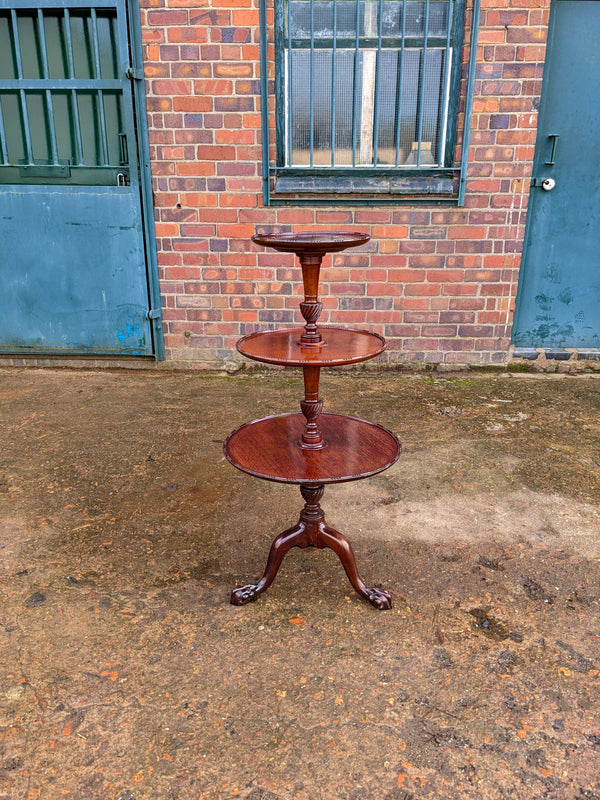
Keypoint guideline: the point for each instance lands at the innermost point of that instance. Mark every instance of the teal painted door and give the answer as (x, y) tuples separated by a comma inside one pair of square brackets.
[(73, 274), (558, 298)]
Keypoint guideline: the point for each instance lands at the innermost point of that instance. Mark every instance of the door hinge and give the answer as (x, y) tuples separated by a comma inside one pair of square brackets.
[(153, 314), (135, 73)]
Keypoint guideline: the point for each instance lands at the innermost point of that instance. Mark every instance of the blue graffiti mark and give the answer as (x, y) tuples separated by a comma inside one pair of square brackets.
[(129, 332)]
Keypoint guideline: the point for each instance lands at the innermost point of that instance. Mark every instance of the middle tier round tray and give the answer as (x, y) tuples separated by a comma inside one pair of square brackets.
[(270, 448), (339, 346)]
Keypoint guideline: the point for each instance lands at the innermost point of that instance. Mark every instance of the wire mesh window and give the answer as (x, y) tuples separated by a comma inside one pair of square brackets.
[(368, 84)]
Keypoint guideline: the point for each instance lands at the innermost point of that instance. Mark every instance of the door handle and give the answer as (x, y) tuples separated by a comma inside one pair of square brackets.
[(123, 150), (555, 137)]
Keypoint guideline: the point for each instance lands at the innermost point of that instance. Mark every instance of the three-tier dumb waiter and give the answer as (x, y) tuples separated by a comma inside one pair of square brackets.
[(311, 448)]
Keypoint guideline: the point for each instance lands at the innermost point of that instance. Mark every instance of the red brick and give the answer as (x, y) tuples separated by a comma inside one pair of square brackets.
[(244, 18), (439, 330), (208, 17), (187, 34), (466, 232), (190, 70), (171, 87), (466, 304), (235, 70), (161, 18), (402, 330), (457, 316), (522, 35), (235, 137), (197, 104), (445, 276), (390, 232), (456, 344), (230, 104), (421, 289), (406, 276), (157, 70), (213, 87), (420, 344)]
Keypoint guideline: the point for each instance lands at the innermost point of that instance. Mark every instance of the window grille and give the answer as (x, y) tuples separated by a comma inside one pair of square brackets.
[(366, 95), (366, 82), (61, 95)]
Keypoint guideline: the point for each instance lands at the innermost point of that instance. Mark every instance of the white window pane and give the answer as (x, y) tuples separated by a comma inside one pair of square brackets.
[(345, 12)]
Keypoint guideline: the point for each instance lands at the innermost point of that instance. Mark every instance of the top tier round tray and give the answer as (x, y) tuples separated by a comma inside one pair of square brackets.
[(311, 448)]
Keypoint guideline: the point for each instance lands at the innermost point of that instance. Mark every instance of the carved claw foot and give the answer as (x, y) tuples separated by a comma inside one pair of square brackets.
[(244, 594), (379, 598)]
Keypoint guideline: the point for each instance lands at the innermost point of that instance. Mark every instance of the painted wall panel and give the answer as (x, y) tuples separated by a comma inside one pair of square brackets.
[(73, 276)]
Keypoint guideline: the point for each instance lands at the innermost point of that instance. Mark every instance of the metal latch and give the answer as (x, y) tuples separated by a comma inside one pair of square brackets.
[(154, 313), (135, 73)]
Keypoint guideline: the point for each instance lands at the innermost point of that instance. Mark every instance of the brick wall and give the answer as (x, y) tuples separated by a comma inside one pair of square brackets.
[(438, 282)]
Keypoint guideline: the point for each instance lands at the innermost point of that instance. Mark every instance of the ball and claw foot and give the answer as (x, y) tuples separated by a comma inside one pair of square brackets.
[(311, 531), (379, 598), (244, 594)]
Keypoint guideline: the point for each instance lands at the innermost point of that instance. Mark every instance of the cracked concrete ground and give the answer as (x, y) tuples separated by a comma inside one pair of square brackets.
[(127, 675)]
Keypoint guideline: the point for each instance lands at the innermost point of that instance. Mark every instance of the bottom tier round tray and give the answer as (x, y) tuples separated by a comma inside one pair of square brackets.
[(270, 448)]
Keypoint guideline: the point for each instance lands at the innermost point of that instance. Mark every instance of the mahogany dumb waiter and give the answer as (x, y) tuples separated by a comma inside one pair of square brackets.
[(311, 448)]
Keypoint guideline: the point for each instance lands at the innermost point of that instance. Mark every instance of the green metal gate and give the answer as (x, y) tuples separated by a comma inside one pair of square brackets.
[(78, 272)]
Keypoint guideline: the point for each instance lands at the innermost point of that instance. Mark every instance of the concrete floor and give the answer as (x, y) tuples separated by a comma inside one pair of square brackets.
[(126, 675)]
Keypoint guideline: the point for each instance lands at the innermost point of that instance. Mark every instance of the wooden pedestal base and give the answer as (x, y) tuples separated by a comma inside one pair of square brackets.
[(311, 531)]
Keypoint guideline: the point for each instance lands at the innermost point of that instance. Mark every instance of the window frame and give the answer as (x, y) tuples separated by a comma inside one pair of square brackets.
[(364, 184)]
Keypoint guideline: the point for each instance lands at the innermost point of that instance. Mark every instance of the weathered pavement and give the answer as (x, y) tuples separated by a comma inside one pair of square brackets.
[(125, 673)]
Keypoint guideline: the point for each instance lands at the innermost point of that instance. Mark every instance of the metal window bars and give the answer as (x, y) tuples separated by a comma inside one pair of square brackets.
[(62, 88), (364, 87), (366, 81)]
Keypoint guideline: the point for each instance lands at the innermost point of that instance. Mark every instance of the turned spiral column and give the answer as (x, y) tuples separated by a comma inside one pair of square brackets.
[(312, 511), (311, 407), (311, 308)]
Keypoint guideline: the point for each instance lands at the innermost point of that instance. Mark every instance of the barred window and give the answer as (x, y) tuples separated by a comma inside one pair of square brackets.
[(366, 96)]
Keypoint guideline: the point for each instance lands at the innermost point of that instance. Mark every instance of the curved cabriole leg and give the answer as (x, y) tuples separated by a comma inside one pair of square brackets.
[(292, 537), (343, 549), (311, 531)]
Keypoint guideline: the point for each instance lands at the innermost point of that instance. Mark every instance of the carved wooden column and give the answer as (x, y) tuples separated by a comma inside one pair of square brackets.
[(311, 307)]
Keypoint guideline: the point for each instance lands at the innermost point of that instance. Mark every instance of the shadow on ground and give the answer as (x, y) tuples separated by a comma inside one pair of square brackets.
[(127, 675)]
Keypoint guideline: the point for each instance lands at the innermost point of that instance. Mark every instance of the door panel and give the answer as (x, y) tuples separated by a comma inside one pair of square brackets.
[(558, 299), (80, 291), (71, 213)]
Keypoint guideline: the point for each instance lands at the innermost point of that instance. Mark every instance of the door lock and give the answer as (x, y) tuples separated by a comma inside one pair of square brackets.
[(547, 184)]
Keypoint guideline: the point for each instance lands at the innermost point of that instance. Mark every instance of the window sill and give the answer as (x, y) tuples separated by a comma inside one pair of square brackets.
[(438, 186)]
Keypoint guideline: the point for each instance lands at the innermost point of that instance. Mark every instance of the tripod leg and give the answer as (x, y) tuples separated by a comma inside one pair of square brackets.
[(342, 547), (292, 537)]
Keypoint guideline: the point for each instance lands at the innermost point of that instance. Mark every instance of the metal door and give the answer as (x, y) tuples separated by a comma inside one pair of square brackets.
[(74, 235), (558, 300)]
